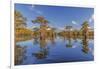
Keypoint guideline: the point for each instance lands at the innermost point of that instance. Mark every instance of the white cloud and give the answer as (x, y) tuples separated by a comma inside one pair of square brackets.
[(74, 22), (91, 18)]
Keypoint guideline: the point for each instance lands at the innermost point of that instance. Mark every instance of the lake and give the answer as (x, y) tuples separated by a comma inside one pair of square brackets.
[(54, 51)]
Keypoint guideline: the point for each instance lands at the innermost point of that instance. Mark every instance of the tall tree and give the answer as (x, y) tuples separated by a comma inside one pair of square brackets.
[(41, 20), (85, 25), (85, 31), (19, 19), (43, 26), (68, 29)]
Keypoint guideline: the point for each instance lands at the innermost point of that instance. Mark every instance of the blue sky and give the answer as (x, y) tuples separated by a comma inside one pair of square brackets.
[(58, 16)]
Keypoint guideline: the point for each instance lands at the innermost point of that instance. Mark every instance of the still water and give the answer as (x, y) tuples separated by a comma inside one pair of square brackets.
[(54, 51)]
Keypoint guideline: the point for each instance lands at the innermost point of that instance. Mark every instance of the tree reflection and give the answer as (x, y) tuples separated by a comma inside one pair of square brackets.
[(36, 41), (43, 43), (42, 54), (43, 50), (69, 44), (19, 54), (53, 40)]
